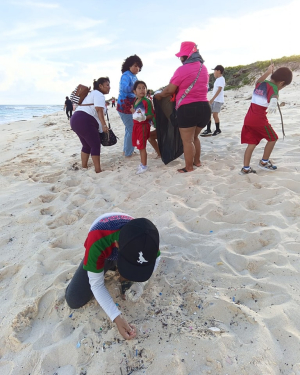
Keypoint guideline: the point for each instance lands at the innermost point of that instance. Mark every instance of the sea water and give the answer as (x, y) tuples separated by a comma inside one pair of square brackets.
[(10, 113)]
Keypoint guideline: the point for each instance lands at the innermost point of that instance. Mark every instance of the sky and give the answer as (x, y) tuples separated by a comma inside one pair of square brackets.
[(49, 47)]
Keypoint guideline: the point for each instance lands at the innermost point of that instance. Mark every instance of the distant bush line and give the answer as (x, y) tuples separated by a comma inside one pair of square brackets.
[(242, 75)]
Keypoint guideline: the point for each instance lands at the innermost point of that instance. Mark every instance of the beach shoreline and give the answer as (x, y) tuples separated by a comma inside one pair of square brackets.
[(15, 113), (225, 298)]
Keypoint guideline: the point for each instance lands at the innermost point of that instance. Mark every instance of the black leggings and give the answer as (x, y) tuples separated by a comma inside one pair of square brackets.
[(78, 292), (67, 112)]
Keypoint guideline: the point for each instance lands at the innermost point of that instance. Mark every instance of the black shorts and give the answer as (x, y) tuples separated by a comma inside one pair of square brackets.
[(194, 114)]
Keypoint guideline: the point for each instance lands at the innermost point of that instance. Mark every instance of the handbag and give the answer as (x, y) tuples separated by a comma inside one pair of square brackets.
[(108, 138), (189, 88)]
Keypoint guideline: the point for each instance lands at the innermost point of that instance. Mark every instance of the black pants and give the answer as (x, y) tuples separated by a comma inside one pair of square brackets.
[(112, 104), (78, 292), (67, 112)]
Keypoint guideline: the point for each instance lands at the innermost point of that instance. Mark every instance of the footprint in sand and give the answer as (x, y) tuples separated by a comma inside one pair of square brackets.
[(73, 182), (51, 178), (21, 324), (175, 190), (78, 201), (253, 205), (34, 322), (64, 219), (46, 198), (60, 242), (56, 189), (255, 242), (7, 271), (48, 211)]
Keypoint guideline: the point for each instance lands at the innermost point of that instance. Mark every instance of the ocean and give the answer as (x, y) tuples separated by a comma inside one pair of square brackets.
[(10, 113)]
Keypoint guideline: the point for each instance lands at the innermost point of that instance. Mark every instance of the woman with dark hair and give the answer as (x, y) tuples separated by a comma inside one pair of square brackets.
[(88, 120), (193, 110), (130, 68)]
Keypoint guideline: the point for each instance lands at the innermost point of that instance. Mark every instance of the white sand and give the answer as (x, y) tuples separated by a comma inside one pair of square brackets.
[(230, 253)]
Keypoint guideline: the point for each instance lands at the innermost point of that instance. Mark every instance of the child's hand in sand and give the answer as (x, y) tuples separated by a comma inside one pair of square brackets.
[(128, 331)]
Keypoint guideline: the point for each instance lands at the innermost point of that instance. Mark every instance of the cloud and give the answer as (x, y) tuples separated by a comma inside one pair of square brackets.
[(256, 36), (36, 54), (30, 29), (52, 55), (36, 4)]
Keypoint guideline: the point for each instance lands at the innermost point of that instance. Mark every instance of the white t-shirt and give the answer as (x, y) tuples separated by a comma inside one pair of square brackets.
[(219, 82), (97, 99)]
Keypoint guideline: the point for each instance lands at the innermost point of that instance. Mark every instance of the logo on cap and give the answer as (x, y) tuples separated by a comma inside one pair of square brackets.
[(141, 258)]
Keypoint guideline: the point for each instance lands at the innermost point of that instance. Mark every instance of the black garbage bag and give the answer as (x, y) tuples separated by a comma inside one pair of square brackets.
[(168, 136)]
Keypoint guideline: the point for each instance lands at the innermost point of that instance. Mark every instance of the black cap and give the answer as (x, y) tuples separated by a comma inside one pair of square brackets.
[(138, 248), (219, 67)]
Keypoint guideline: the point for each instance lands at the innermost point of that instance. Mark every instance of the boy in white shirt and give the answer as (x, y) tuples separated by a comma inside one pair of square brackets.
[(216, 101)]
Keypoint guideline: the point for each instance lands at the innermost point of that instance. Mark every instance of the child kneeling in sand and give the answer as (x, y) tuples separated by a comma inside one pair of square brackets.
[(256, 124), (115, 241), (143, 117)]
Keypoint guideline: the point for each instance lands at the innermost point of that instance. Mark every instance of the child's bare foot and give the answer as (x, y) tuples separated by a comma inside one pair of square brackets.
[(197, 164)]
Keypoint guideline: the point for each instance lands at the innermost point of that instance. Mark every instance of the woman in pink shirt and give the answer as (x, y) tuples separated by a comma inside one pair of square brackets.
[(189, 82)]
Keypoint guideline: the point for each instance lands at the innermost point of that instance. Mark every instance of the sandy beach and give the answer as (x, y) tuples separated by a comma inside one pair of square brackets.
[(225, 299)]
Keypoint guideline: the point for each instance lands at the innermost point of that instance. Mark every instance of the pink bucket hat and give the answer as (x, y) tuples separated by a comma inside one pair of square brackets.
[(187, 49)]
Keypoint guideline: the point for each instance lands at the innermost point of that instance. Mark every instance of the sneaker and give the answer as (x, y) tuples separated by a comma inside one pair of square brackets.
[(142, 169), (246, 171), (268, 166), (216, 132), (206, 133)]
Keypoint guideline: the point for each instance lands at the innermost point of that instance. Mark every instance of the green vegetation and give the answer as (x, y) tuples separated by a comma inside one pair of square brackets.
[(241, 75)]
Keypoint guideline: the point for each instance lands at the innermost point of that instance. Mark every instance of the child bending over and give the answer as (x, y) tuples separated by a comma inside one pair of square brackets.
[(256, 124)]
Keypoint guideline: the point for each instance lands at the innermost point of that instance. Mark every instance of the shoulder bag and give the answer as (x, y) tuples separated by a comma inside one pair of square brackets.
[(108, 138)]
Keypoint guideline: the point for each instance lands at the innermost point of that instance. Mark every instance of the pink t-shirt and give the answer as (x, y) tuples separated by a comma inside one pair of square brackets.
[(184, 76)]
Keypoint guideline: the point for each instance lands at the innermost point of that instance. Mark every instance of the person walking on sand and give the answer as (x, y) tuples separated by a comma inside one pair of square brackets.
[(113, 102), (256, 125), (216, 101), (130, 68), (68, 107), (193, 110), (117, 242), (88, 120), (143, 117)]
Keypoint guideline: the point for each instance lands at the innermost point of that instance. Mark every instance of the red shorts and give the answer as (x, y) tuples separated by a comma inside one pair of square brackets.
[(255, 129), (140, 134)]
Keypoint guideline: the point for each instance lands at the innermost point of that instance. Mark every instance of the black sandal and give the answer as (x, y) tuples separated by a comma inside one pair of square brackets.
[(182, 170)]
